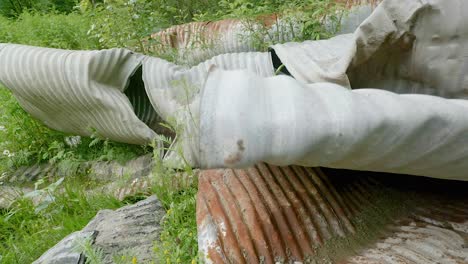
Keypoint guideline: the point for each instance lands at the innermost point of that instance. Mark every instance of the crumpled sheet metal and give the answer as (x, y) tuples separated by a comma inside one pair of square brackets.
[(115, 93), (281, 121), (266, 214), (170, 87), (77, 92), (404, 46), (174, 93)]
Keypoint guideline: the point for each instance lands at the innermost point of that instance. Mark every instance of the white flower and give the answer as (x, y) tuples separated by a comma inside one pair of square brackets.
[(73, 141), (6, 152), (2, 128)]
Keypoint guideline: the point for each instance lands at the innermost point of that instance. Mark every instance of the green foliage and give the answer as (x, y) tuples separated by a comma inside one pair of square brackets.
[(93, 254), (24, 141), (26, 232), (13, 8), (53, 30), (302, 19), (177, 192)]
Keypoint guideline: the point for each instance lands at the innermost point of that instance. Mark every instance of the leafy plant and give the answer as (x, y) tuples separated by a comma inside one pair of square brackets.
[(25, 141), (26, 232), (178, 241)]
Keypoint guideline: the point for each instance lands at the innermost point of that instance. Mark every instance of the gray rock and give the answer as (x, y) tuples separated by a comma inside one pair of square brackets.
[(112, 170), (132, 229), (64, 251), (9, 194), (103, 171)]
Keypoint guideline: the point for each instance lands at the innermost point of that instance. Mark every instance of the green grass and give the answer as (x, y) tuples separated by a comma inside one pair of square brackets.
[(27, 231), (25, 141)]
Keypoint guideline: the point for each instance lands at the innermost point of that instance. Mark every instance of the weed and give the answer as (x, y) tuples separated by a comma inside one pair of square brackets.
[(178, 241), (28, 230)]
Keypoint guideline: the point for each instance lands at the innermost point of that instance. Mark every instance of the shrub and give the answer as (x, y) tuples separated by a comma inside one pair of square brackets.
[(52, 30)]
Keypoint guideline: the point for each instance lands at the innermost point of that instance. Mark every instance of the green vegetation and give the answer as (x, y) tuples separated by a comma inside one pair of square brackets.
[(27, 229), (25, 141)]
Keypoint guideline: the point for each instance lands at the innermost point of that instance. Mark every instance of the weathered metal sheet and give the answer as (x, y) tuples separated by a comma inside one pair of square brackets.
[(281, 121), (417, 244), (393, 49), (174, 92), (269, 214), (266, 214), (435, 233), (77, 92), (172, 87)]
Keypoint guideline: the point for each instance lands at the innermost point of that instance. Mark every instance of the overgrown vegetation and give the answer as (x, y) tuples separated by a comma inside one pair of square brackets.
[(24, 140), (27, 230)]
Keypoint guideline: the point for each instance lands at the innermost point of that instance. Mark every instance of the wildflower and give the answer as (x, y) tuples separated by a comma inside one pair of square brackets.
[(73, 141), (134, 260), (6, 152), (2, 128)]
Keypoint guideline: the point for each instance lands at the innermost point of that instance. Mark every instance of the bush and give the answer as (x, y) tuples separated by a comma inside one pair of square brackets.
[(13, 8), (52, 30)]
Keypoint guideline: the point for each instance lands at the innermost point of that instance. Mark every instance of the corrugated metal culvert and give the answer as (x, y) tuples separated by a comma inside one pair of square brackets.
[(269, 214)]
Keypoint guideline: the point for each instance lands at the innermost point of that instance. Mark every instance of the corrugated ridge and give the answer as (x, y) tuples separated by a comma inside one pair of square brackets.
[(434, 231), (420, 239), (75, 91), (167, 84), (267, 214)]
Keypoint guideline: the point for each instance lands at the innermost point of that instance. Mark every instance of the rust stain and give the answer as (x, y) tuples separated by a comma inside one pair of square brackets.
[(234, 158), (270, 214), (267, 214)]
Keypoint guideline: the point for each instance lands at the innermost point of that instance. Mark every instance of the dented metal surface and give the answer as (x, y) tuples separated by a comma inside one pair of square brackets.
[(266, 214), (269, 214)]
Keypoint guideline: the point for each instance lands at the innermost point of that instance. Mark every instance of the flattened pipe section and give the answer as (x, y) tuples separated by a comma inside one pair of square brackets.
[(265, 214), (76, 92)]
